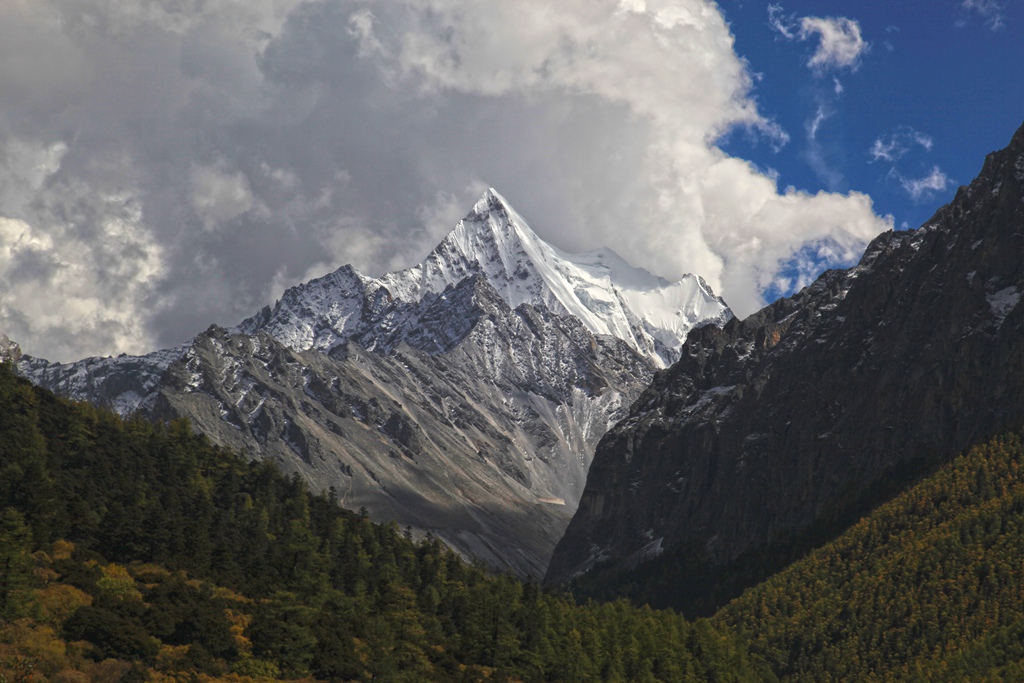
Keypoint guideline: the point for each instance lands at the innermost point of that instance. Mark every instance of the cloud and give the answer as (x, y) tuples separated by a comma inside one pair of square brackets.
[(895, 145), (219, 195), (840, 43), (840, 46), (816, 154), (781, 24), (684, 89), (990, 11), (173, 163), (921, 188), (815, 123), (905, 145), (71, 293), (886, 150)]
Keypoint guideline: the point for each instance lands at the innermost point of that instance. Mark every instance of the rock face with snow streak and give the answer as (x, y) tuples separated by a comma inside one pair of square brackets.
[(120, 383), (800, 415), (463, 396)]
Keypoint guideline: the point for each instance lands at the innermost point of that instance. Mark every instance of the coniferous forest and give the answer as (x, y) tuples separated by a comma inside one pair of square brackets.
[(926, 588), (133, 551)]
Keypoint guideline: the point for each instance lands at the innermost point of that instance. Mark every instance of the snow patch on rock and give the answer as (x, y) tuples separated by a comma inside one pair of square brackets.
[(1002, 302)]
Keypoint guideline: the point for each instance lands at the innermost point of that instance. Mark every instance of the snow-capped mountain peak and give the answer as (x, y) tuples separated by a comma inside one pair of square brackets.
[(492, 240), (600, 288), (474, 391)]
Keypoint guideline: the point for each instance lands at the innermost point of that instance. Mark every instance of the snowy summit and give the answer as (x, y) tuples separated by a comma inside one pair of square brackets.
[(599, 288)]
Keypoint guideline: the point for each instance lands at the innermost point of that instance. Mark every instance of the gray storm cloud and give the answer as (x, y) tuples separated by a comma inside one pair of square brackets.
[(165, 165)]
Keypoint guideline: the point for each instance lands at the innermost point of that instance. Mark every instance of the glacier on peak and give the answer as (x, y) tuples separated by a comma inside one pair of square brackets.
[(607, 294)]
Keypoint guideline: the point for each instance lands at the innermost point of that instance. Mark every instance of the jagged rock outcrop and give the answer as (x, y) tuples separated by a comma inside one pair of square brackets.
[(799, 412), (463, 396), (9, 350), (599, 289), (120, 383)]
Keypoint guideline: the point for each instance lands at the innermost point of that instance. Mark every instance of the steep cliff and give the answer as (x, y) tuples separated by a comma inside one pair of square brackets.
[(804, 414)]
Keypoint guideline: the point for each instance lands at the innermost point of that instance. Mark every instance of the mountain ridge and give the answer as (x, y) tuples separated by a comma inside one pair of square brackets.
[(462, 396), (796, 412), (599, 288)]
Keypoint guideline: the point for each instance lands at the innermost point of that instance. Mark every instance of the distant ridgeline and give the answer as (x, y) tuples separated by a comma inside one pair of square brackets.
[(132, 551)]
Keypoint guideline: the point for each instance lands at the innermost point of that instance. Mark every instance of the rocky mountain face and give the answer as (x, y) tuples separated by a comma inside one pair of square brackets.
[(463, 396), (804, 411), (120, 383), (9, 350), (607, 295)]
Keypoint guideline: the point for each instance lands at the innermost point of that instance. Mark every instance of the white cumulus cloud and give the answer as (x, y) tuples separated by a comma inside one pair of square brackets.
[(673, 67), (172, 163)]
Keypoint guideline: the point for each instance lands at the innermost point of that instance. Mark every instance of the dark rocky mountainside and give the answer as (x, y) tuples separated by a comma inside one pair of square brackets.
[(810, 409)]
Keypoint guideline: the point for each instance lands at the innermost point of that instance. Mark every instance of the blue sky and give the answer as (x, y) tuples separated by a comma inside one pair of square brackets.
[(940, 86)]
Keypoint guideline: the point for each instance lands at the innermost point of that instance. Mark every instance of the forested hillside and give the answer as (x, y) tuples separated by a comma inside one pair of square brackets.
[(133, 551), (926, 588)]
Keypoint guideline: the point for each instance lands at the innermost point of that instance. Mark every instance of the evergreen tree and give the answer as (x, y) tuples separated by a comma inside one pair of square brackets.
[(15, 565)]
